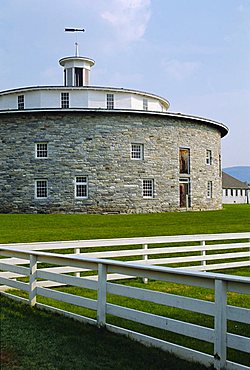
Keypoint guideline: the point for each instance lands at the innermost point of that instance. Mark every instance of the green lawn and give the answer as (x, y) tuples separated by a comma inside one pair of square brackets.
[(234, 299), (33, 339), (29, 228), (59, 343)]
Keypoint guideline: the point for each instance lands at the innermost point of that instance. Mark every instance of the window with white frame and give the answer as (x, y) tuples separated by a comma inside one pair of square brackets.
[(41, 189), (110, 101), (148, 188), (209, 189), (41, 150), (137, 151), (208, 157), (145, 104), (81, 187), (64, 100), (20, 102)]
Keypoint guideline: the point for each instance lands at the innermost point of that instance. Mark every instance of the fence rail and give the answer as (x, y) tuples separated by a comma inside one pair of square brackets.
[(218, 309), (202, 257)]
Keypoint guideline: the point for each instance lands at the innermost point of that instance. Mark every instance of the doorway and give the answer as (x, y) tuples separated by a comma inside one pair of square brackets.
[(184, 190)]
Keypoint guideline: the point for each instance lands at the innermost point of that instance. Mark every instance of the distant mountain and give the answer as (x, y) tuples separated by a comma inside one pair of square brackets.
[(241, 173)]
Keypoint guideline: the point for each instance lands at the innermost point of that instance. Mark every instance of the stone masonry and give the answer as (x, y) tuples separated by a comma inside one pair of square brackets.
[(97, 144)]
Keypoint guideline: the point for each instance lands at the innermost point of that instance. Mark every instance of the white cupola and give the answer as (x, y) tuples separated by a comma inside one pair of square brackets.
[(76, 70)]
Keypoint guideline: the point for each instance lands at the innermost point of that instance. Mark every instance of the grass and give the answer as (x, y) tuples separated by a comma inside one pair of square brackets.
[(59, 343), (16, 228), (234, 299), (33, 339)]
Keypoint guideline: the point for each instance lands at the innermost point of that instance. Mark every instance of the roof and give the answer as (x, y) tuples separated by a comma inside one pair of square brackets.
[(219, 126), (229, 182)]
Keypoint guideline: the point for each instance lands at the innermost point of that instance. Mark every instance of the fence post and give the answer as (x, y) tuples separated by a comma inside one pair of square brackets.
[(220, 325), (102, 294), (203, 253), (249, 247), (145, 258), (77, 251), (32, 280)]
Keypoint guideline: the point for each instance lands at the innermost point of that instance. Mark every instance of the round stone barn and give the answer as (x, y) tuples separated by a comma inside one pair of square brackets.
[(90, 149)]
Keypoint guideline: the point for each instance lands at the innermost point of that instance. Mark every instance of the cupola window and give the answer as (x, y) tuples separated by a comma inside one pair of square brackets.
[(78, 76)]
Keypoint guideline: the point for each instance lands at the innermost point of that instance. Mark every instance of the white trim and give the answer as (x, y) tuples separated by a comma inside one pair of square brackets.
[(65, 102), (140, 151), (150, 189), (45, 150), (36, 188), (145, 104), (110, 101), (209, 157), (209, 189), (81, 183), (20, 102)]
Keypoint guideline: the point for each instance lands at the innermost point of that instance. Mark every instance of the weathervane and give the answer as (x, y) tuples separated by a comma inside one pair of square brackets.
[(75, 30)]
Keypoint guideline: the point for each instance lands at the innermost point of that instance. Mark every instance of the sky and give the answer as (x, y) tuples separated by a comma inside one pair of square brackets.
[(194, 53)]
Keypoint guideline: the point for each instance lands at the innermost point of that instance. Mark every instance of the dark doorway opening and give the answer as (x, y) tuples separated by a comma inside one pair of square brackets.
[(184, 190)]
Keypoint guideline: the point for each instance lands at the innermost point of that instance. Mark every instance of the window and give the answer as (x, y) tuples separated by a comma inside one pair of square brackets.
[(41, 189), (86, 74), (110, 101), (236, 192), (64, 100), (184, 159), (68, 77), (20, 102), (78, 76), (137, 151), (232, 192), (81, 187), (145, 104), (209, 189), (148, 188), (209, 157), (226, 191), (41, 150)]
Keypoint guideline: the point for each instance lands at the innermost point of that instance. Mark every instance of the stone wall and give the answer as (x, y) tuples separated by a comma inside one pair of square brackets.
[(97, 145)]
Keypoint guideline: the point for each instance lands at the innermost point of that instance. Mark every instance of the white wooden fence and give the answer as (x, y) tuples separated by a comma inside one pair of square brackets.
[(219, 309), (234, 252)]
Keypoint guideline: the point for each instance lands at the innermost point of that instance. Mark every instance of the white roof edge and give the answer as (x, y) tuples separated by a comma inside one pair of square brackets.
[(222, 128), (81, 58)]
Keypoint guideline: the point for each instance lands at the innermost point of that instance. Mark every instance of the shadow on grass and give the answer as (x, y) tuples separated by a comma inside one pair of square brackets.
[(33, 339)]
